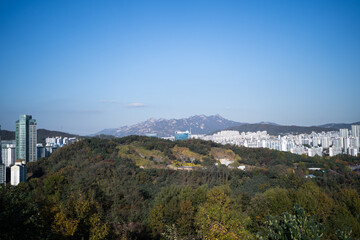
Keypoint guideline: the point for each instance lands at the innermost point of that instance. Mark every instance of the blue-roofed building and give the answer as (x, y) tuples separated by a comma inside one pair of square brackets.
[(151, 135), (182, 135)]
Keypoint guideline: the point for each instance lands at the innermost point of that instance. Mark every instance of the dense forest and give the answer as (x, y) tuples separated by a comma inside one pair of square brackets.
[(148, 188)]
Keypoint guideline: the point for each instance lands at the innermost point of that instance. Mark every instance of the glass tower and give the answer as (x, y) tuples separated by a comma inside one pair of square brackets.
[(1, 161), (26, 139), (2, 166)]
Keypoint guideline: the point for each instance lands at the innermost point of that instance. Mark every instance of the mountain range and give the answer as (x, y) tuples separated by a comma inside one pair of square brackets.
[(201, 124), (339, 125)]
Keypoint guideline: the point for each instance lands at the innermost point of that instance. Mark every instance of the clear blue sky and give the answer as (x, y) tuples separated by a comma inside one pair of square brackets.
[(82, 66)]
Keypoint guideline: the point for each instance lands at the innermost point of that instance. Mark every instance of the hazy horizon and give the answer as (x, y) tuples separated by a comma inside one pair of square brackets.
[(84, 66)]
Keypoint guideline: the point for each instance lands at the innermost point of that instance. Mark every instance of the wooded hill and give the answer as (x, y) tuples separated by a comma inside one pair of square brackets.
[(136, 188), (41, 135)]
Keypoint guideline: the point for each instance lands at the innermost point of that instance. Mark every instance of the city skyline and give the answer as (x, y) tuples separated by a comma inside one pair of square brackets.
[(196, 122), (82, 67)]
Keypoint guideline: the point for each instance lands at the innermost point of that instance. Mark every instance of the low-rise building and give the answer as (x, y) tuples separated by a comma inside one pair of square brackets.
[(182, 135)]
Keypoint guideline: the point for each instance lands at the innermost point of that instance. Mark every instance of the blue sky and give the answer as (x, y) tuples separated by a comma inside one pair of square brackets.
[(82, 66)]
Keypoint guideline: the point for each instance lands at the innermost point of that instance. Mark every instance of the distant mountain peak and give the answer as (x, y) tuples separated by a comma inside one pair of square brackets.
[(152, 120)]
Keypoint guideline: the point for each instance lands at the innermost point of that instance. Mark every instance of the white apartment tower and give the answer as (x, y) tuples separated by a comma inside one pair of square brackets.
[(8, 154), (344, 133), (355, 130), (18, 173)]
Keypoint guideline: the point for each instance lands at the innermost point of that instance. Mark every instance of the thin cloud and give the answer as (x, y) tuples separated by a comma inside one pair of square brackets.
[(95, 111), (109, 101), (136, 105)]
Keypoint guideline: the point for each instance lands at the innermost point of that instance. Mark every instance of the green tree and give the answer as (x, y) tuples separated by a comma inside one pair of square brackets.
[(274, 201), (78, 218), (216, 220), (314, 201), (292, 226), (19, 215), (174, 211)]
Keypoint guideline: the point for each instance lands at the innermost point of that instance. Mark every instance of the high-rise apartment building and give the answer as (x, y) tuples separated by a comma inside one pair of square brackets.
[(355, 130), (8, 154), (2, 166), (26, 139), (18, 173), (2, 174), (344, 133)]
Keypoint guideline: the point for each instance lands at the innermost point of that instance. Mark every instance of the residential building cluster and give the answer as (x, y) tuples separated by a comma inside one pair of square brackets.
[(15, 154), (329, 143), (51, 144)]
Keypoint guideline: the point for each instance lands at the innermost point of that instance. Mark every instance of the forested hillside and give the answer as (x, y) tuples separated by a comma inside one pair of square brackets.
[(148, 188)]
